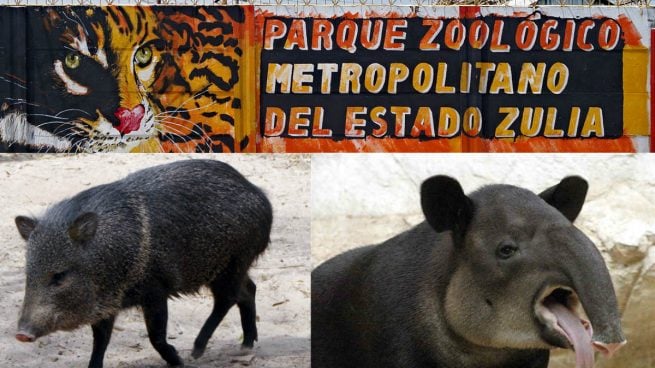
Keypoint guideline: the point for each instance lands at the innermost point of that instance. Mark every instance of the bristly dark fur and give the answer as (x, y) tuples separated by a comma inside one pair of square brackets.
[(159, 233)]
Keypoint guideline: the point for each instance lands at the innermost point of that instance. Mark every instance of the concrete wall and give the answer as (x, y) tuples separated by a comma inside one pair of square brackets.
[(362, 199)]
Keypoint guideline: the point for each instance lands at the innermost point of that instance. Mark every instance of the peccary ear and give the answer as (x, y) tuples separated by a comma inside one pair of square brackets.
[(445, 205), (84, 227), (568, 196), (25, 225)]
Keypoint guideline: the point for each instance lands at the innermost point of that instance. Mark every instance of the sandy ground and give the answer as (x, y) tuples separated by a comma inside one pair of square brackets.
[(28, 184)]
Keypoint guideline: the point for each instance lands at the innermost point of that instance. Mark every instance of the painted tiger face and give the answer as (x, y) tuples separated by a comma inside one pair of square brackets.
[(138, 79), (115, 112)]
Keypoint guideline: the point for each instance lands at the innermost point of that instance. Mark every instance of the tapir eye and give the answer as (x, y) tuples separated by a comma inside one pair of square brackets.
[(58, 278), (506, 250)]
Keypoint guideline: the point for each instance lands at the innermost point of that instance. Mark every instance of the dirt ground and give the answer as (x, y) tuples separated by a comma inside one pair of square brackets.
[(28, 184)]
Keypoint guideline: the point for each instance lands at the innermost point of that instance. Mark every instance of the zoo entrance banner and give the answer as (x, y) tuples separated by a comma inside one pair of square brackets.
[(323, 79), (454, 79)]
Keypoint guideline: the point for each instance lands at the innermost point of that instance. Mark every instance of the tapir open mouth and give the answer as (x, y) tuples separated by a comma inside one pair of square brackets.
[(565, 325), (559, 310)]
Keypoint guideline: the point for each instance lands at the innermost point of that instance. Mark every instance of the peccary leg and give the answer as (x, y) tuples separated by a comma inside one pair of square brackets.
[(155, 312), (224, 299), (101, 335), (246, 304)]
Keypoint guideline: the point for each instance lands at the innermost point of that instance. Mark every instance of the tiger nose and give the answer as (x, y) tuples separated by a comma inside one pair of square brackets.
[(129, 119)]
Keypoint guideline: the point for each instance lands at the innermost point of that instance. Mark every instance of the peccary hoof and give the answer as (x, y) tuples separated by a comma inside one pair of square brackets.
[(247, 345), (197, 352)]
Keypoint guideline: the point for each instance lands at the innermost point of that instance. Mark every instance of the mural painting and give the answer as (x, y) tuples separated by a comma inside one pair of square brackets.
[(126, 79), (324, 79)]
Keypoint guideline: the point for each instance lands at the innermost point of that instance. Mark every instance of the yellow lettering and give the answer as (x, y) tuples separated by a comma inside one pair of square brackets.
[(503, 129), (448, 122), (593, 123), (550, 131), (349, 81), (279, 73), (424, 123), (531, 121), (558, 78)]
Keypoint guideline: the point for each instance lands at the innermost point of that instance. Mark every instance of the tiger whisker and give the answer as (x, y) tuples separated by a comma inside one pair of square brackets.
[(204, 138), (190, 99), (179, 108), (77, 21), (82, 144), (68, 131), (53, 122), (49, 116), (70, 134), (81, 23), (202, 135), (161, 146), (172, 121), (177, 146), (17, 103), (202, 107), (168, 122), (174, 135), (199, 135), (78, 110), (20, 102), (12, 82)]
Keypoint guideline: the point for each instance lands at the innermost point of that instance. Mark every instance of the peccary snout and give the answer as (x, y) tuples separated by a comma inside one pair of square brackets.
[(25, 337), (26, 331)]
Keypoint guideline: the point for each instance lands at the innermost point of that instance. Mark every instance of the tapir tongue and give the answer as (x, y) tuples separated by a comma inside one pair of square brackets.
[(578, 334)]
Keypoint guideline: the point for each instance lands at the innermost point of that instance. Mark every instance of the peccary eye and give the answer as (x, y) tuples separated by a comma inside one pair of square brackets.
[(506, 250), (58, 278)]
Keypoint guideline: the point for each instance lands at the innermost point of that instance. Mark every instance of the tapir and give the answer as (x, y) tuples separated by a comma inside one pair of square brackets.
[(493, 279)]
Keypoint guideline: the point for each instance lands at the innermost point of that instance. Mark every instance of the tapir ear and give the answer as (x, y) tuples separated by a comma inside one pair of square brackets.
[(445, 205), (84, 227), (568, 196), (25, 225)]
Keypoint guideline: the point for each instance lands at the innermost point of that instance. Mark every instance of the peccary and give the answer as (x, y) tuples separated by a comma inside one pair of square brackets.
[(158, 233), (493, 279)]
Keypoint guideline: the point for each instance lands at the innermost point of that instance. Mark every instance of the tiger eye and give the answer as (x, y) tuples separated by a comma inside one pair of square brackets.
[(72, 60), (143, 56)]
